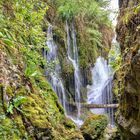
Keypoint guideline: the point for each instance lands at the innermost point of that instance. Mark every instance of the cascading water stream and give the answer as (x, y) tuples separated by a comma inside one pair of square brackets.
[(100, 92), (54, 76), (73, 58)]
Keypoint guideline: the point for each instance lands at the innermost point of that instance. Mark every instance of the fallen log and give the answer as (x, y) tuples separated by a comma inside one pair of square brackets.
[(100, 105), (83, 105)]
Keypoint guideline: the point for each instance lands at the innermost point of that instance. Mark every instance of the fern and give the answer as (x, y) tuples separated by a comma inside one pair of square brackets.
[(95, 36), (15, 103), (69, 9)]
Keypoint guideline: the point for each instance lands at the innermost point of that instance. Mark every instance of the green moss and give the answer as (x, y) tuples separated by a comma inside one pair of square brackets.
[(21, 91), (42, 111), (20, 126), (130, 12), (68, 123), (67, 67), (66, 130), (87, 53), (94, 126), (9, 91), (59, 32), (115, 88), (8, 130)]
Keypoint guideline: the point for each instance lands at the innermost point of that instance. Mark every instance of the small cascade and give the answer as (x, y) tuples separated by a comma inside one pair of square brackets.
[(73, 58), (54, 76), (100, 92)]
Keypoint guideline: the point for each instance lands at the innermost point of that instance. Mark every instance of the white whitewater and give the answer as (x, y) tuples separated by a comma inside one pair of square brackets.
[(100, 92), (73, 58), (54, 76)]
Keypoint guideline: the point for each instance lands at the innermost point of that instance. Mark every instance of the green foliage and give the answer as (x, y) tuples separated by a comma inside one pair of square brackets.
[(8, 132), (92, 25), (68, 9), (95, 36), (19, 100), (115, 57), (9, 129), (31, 70), (94, 126), (137, 9), (16, 103), (91, 17), (130, 12), (21, 30)]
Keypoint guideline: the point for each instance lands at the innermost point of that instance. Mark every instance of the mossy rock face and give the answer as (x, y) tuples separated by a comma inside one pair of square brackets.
[(94, 126), (128, 76), (40, 117)]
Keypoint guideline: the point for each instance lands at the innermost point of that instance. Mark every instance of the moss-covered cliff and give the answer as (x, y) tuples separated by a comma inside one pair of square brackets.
[(29, 108), (128, 77)]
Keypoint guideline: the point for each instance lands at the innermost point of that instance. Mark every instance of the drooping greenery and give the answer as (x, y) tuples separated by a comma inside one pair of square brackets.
[(92, 11), (92, 23), (69, 9)]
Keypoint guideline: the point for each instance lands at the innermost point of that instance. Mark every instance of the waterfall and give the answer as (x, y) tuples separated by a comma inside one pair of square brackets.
[(73, 58), (100, 92), (54, 75)]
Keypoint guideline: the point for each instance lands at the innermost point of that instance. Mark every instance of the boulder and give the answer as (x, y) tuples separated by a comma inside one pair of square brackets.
[(94, 126)]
